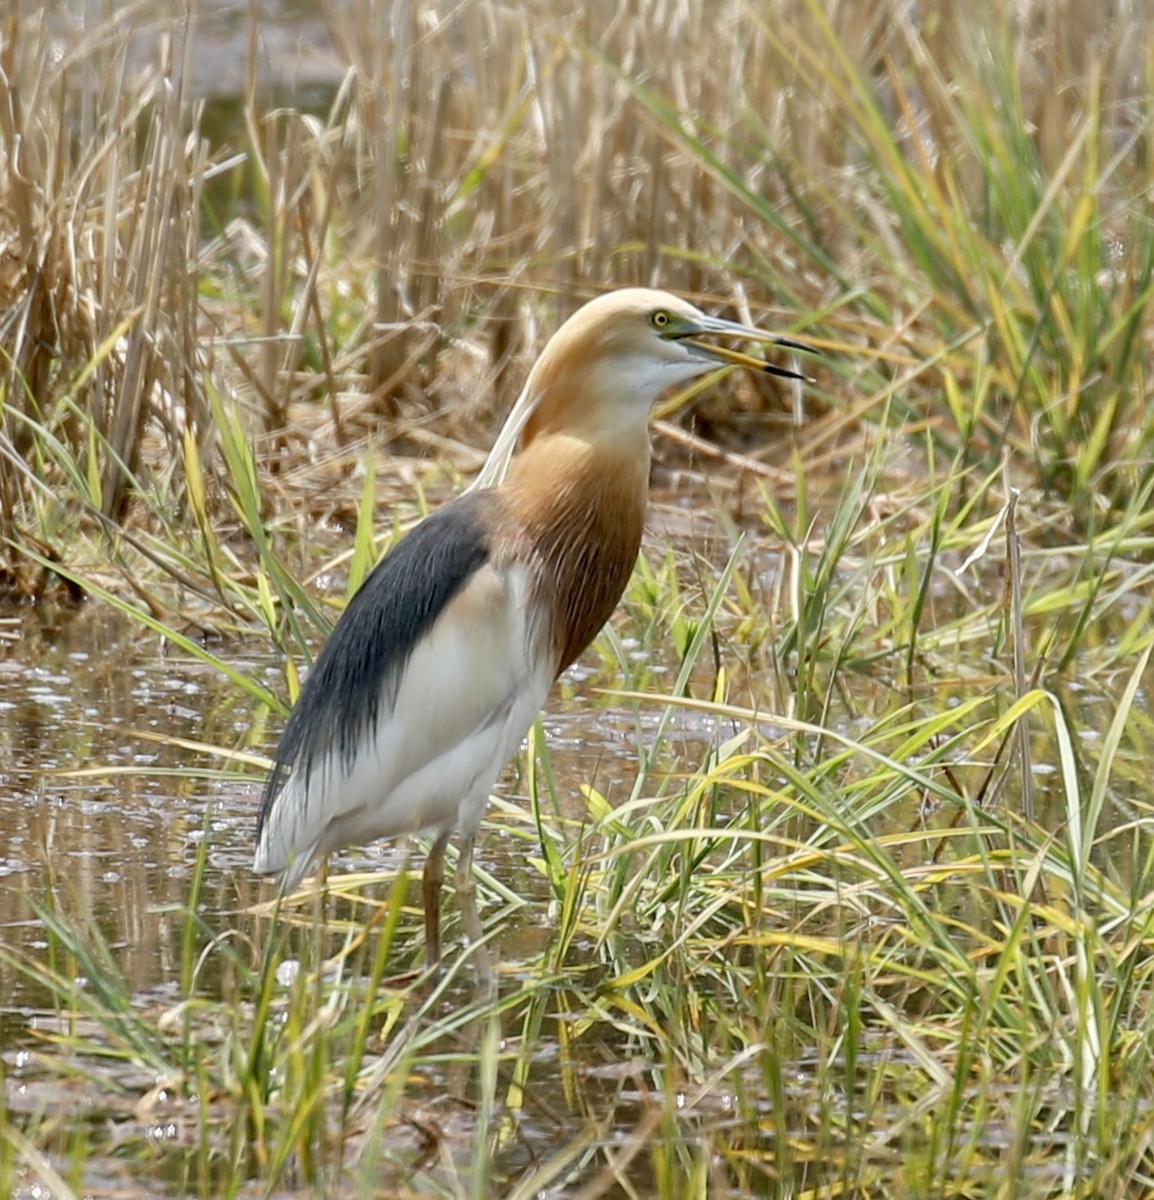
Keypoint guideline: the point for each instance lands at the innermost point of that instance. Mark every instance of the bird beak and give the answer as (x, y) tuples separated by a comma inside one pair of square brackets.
[(692, 331)]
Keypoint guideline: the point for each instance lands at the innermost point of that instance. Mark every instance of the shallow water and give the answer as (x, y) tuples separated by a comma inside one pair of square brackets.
[(100, 804), (110, 760), (110, 785), (109, 794), (110, 747)]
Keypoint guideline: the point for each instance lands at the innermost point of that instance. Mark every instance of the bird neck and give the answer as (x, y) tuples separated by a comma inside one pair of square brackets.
[(580, 393), (581, 506)]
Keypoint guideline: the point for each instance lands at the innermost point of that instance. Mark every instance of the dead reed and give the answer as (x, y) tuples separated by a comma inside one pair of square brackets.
[(958, 203)]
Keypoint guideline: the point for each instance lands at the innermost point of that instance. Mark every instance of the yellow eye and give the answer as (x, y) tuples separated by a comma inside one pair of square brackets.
[(660, 319)]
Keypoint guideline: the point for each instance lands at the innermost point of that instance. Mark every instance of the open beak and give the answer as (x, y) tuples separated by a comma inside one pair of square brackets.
[(692, 333)]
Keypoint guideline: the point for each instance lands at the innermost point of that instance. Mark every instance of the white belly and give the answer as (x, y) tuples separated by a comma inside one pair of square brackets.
[(467, 695)]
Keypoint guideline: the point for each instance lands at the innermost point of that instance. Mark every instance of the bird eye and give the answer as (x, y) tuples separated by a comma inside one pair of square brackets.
[(660, 319)]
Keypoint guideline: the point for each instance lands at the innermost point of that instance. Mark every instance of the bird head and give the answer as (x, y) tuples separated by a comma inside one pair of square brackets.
[(601, 372)]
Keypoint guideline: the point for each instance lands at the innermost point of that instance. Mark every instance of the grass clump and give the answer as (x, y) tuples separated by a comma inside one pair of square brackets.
[(862, 906)]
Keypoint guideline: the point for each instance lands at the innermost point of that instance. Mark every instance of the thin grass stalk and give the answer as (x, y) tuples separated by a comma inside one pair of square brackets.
[(1016, 626), (150, 243), (392, 129)]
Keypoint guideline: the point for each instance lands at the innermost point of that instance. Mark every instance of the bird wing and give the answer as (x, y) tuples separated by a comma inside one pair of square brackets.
[(425, 687)]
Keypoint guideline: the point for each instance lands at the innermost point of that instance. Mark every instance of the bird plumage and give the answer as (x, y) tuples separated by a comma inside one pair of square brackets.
[(429, 657), (447, 652)]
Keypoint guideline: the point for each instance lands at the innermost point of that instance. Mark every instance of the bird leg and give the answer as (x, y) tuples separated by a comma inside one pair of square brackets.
[(431, 881), (466, 892), (471, 920)]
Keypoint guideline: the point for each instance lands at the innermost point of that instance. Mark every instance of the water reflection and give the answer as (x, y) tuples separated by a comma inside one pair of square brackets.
[(118, 845), (107, 799)]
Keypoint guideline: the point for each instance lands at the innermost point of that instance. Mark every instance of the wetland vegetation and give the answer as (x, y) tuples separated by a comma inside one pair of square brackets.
[(829, 870)]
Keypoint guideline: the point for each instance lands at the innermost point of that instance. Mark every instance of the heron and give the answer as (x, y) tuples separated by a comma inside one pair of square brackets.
[(443, 658)]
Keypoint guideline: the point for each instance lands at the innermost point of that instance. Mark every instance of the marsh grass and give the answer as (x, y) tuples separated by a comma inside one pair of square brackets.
[(872, 914)]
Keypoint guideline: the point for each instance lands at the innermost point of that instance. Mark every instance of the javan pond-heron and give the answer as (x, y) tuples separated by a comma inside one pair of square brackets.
[(446, 654)]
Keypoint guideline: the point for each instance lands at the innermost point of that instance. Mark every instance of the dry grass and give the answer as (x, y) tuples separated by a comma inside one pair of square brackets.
[(385, 268)]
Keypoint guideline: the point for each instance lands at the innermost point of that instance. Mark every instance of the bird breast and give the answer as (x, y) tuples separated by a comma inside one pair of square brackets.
[(579, 516)]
